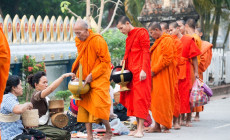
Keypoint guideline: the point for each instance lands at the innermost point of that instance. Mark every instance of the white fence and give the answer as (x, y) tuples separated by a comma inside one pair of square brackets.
[(219, 70)]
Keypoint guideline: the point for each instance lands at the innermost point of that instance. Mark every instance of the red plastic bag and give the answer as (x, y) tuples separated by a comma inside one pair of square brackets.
[(197, 96)]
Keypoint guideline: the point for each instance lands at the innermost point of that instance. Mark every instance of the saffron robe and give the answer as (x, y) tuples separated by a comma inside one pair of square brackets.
[(178, 46), (205, 61), (95, 58), (163, 82), (189, 51), (4, 63), (137, 58)]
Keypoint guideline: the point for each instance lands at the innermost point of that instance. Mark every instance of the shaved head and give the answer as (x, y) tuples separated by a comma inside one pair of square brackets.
[(174, 29), (191, 23), (181, 21), (81, 30), (199, 32), (174, 24), (155, 25), (155, 30), (81, 23), (123, 19), (124, 25)]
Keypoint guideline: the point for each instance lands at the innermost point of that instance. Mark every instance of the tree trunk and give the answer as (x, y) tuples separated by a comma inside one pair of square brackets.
[(114, 13), (226, 37), (88, 12), (100, 16), (217, 23)]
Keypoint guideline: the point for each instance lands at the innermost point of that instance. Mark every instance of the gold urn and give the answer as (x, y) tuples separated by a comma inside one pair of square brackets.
[(76, 86)]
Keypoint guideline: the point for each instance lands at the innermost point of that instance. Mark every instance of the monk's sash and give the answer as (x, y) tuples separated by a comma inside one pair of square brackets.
[(9, 117), (81, 45)]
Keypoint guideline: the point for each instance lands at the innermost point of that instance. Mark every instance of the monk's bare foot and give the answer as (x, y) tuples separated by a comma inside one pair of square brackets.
[(163, 127), (154, 130), (132, 133), (188, 124), (176, 126), (139, 134), (108, 136), (183, 123), (146, 129), (166, 131), (89, 137), (196, 119)]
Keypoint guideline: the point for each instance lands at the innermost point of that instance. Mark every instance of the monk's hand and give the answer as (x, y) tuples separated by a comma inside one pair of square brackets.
[(197, 75), (142, 75), (152, 74), (88, 79)]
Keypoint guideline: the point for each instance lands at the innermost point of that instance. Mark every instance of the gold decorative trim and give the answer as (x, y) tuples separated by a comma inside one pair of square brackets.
[(16, 29), (8, 28), (32, 29), (39, 29), (72, 34), (46, 29), (24, 30), (53, 29), (66, 29), (60, 29)]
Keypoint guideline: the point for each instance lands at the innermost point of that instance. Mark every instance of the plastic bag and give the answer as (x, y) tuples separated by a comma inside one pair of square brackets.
[(197, 96), (119, 127), (206, 88)]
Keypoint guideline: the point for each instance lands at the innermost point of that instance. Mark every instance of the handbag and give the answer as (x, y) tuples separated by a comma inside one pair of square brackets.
[(206, 88), (197, 96)]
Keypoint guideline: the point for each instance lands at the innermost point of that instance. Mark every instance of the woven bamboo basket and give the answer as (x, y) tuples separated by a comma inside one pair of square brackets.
[(30, 118), (117, 97), (59, 120), (54, 104)]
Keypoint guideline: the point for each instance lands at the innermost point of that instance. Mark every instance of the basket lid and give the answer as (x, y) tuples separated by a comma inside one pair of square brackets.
[(53, 104)]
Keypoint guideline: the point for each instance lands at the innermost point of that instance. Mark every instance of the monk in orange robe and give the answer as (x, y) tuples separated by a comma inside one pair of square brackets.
[(93, 55), (164, 78), (4, 63), (189, 72), (205, 61), (176, 35), (137, 60)]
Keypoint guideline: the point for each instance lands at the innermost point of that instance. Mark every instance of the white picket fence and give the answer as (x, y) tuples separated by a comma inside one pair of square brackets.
[(219, 70)]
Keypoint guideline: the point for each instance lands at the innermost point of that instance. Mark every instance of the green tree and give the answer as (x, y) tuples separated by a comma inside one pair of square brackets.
[(133, 9), (211, 12)]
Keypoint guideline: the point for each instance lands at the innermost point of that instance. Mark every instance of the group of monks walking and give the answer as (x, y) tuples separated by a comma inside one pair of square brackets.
[(163, 74)]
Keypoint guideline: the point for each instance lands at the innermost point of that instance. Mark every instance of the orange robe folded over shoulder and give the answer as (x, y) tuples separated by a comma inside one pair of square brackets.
[(94, 56), (137, 58), (205, 61), (4, 63), (178, 46), (190, 50), (163, 82), (205, 57)]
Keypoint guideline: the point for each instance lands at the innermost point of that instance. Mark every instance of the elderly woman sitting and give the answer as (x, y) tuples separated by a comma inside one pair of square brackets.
[(40, 101), (10, 123)]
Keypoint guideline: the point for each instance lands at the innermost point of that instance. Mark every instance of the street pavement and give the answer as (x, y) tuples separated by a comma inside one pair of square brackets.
[(214, 124)]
